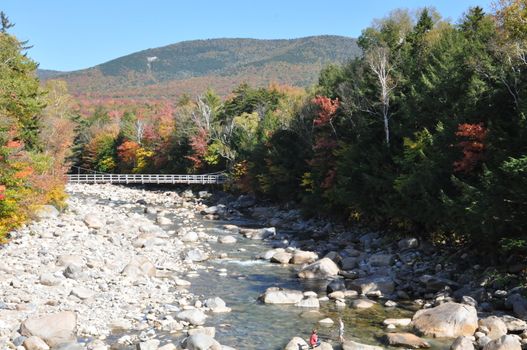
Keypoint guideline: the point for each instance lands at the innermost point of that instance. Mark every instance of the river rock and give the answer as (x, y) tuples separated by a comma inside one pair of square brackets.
[(462, 343), (506, 342), (497, 328), (518, 304), (70, 259), (46, 212), (408, 340), (231, 228), (169, 346), (304, 257), (309, 302), (401, 322), (35, 343), (227, 239), (54, 329), (48, 279), (197, 255), (258, 234), (335, 286), (82, 292), (381, 260), (73, 272), (320, 269), (210, 331), (365, 285), (202, 341), (217, 305), (192, 316), (276, 295), (349, 263), (139, 267), (514, 325), (326, 321), (190, 237), (362, 303), (151, 344), (282, 257), (296, 343), (448, 320), (351, 345), (408, 243), (93, 221)]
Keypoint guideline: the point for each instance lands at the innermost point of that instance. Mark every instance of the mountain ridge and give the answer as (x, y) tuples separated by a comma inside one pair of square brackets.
[(221, 64)]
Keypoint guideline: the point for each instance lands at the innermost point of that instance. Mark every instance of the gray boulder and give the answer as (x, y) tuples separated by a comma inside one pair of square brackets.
[(282, 257), (296, 343), (35, 343), (46, 212), (381, 260), (518, 304), (93, 221), (304, 257)]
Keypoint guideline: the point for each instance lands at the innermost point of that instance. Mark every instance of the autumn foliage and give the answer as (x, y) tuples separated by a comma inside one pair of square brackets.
[(472, 146)]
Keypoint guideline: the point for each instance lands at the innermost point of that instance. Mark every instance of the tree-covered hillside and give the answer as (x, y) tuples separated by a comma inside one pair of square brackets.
[(221, 64)]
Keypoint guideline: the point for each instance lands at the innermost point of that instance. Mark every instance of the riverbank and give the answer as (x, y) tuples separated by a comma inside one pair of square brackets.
[(128, 268)]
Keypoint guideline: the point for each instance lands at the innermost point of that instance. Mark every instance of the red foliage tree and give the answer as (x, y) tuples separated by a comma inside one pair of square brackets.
[(127, 153), (324, 141), (473, 146), (199, 144)]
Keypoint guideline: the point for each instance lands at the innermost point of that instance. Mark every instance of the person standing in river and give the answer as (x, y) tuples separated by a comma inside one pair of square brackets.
[(341, 330)]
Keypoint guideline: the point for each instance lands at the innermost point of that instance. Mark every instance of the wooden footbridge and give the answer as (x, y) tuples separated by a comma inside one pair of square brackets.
[(99, 178)]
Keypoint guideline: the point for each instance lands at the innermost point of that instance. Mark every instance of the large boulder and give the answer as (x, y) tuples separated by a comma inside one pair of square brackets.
[(448, 320), (462, 343), (192, 316), (506, 342), (320, 269), (351, 345), (383, 284), (497, 328), (201, 341), (407, 340), (518, 304), (276, 295), (138, 267), (296, 343), (54, 329)]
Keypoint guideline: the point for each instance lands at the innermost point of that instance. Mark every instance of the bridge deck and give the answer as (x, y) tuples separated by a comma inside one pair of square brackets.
[(146, 179)]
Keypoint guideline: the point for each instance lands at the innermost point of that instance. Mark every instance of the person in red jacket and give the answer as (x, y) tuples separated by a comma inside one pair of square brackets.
[(313, 340)]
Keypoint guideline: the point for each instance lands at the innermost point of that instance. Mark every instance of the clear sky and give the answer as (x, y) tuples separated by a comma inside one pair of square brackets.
[(75, 34)]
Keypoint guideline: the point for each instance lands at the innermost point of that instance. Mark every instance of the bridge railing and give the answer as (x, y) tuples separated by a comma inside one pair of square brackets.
[(147, 178)]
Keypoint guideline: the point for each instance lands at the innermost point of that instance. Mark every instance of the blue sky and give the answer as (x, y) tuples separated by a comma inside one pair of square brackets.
[(75, 34)]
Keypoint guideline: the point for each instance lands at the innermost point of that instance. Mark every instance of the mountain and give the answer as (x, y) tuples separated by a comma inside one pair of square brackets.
[(193, 66)]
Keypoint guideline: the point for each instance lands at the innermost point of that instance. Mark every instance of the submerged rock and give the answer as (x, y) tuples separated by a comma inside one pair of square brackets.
[(406, 340), (351, 345)]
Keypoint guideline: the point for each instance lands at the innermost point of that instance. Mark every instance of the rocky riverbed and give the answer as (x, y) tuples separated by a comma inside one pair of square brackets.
[(127, 268)]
